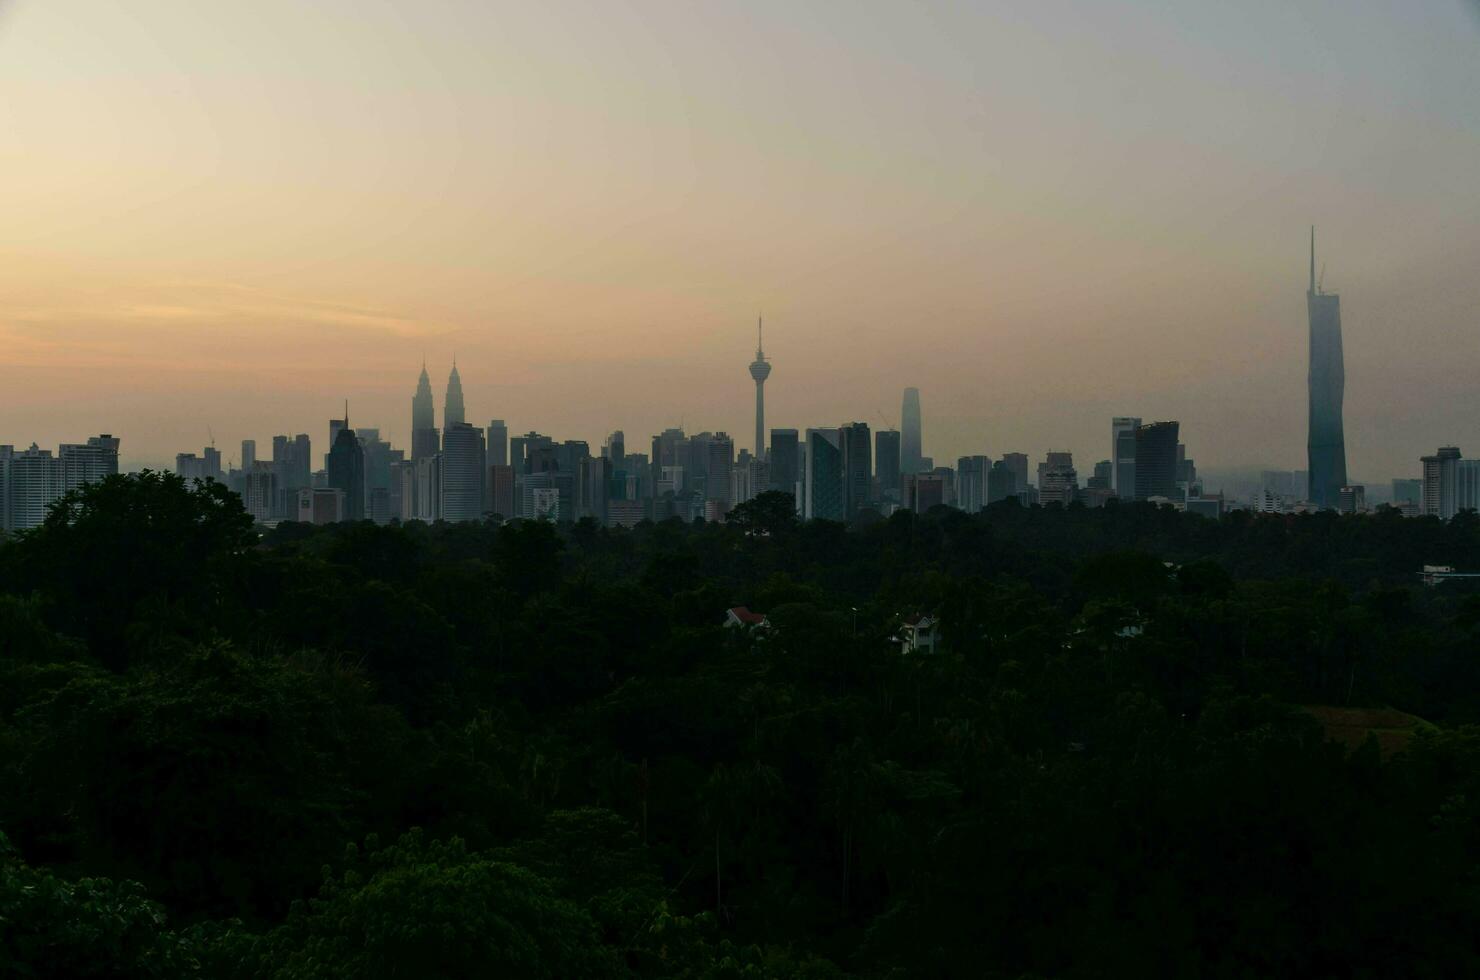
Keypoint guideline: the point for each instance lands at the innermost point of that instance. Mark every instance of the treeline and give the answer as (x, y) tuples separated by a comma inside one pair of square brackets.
[(531, 750)]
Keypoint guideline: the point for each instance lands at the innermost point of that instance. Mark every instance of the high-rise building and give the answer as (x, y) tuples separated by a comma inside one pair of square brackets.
[(88, 462), (1104, 476), (425, 440), (1407, 491), (261, 492), (498, 443), (718, 462), (785, 462), (594, 488), (1123, 455), (249, 454), (35, 484), (972, 476), (887, 465), (760, 370), (910, 445), (321, 505), (615, 448), (1466, 485), (857, 466), (501, 492), (1156, 460), (822, 476), (452, 411), (463, 462), (1057, 480), (346, 471), (1017, 465), (1002, 482), (293, 457), (1326, 444), (923, 491), (1441, 483), (1352, 499), (7, 453)]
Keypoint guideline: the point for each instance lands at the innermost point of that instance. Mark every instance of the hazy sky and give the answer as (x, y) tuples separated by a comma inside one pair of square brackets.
[(1042, 214)]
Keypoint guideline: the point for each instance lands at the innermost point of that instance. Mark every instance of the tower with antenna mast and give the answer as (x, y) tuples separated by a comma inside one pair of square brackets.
[(1326, 440), (760, 370)]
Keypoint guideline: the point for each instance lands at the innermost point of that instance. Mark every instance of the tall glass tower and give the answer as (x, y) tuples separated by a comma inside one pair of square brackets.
[(910, 459), (453, 413), (1326, 444), (424, 438)]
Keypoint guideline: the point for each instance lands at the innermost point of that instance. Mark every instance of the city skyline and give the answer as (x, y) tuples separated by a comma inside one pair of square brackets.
[(580, 202)]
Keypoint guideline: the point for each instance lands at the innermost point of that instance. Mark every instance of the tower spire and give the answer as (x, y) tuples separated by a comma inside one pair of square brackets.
[(759, 330), (346, 413), (1312, 259)]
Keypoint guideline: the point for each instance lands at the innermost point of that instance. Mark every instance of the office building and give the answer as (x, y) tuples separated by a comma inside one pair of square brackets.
[(1104, 477), (1156, 461), (1326, 443), (1017, 464), (501, 490), (923, 491), (857, 466), (1466, 485), (1123, 455), (615, 448), (452, 410), (463, 463), (260, 493), (293, 455), (321, 505), (785, 462), (1001, 482), (1058, 483), (345, 469), (249, 454), (498, 443), (1352, 499), (718, 462), (887, 465), (1407, 491), (822, 476), (594, 488), (760, 370), (910, 445), (972, 476)]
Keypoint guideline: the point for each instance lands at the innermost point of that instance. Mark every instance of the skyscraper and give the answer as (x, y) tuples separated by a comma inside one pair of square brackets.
[(35, 483), (452, 412), (910, 460), (1017, 465), (886, 464), (1123, 455), (822, 477), (292, 456), (785, 462), (760, 370), (88, 462), (498, 444), (1440, 483), (972, 473), (857, 467), (346, 470), (461, 482), (1156, 460), (249, 454), (1326, 445), (424, 439)]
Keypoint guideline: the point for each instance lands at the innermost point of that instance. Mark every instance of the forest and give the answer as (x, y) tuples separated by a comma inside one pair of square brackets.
[(1146, 744)]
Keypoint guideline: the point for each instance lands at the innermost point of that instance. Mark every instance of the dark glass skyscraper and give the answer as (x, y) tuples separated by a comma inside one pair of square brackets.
[(785, 461), (1326, 443), (347, 470), (886, 464), (857, 468), (1156, 460), (909, 422)]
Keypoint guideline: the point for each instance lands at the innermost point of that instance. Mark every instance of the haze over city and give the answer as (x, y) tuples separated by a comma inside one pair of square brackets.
[(1042, 216)]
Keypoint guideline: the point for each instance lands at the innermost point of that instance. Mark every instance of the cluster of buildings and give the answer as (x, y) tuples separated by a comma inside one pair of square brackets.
[(458, 471), (31, 480)]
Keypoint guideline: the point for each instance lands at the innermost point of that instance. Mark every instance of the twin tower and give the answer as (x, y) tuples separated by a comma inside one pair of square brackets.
[(425, 437)]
